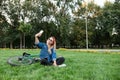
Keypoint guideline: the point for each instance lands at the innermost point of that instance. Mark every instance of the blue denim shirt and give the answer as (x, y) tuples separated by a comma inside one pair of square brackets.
[(44, 52)]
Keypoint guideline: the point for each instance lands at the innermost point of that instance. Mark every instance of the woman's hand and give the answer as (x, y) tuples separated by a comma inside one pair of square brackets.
[(54, 63)]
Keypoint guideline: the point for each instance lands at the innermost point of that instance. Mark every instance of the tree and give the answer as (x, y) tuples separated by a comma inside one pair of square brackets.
[(77, 36), (86, 13), (63, 21), (3, 30), (105, 22), (25, 29)]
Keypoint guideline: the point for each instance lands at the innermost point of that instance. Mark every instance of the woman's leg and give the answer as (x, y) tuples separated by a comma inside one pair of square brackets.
[(60, 60), (45, 62)]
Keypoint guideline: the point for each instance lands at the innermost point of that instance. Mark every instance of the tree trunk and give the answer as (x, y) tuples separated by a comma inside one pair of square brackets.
[(11, 45), (4, 45), (24, 40), (20, 41)]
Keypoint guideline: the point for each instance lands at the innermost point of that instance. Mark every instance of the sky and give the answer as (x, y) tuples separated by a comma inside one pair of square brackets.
[(101, 2)]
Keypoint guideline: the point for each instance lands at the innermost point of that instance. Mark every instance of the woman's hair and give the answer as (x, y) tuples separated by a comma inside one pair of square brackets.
[(53, 45), (54, 42)]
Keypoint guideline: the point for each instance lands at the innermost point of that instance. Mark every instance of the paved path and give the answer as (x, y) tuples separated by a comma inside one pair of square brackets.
[(98, 50)]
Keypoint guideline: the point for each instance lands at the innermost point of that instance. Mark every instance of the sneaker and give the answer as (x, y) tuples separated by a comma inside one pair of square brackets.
[(62, 65)]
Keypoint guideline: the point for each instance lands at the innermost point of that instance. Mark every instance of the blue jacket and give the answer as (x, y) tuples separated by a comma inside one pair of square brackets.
[(44, 52)]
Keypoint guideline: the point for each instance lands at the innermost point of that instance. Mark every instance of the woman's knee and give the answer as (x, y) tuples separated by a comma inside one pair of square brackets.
[(60, 60)]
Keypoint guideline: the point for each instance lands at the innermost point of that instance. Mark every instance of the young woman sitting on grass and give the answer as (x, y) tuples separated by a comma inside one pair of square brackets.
[(48, 51)]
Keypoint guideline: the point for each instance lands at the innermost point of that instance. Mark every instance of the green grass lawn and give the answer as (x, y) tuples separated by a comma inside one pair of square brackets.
[(80, 66)]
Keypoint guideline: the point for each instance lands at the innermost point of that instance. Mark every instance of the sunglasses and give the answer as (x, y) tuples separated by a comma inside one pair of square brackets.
[(50, 40)]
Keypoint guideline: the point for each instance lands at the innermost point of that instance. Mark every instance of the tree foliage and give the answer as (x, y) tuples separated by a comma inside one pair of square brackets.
[(20, 20)]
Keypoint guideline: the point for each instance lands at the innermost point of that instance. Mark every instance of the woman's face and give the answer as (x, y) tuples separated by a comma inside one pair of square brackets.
[(50, 41)]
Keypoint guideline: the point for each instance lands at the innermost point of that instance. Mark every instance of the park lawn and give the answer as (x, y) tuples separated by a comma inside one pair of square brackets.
[(80, 66)]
